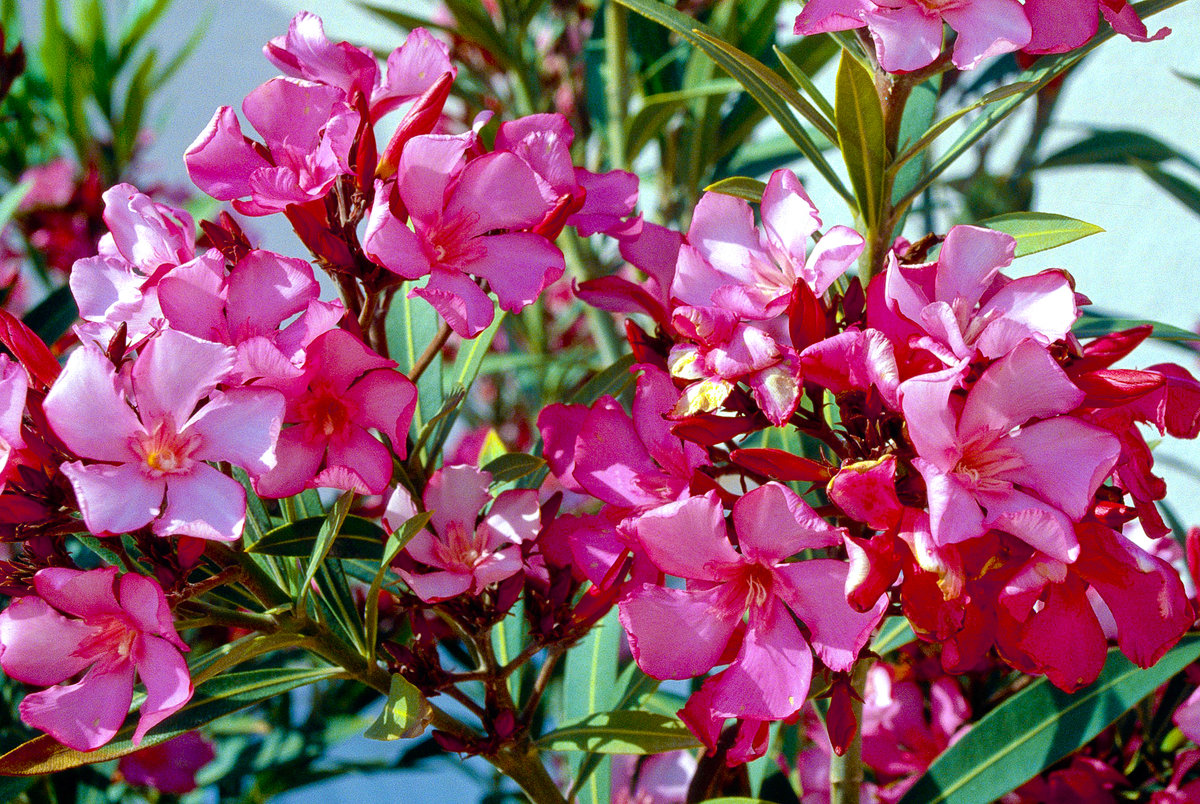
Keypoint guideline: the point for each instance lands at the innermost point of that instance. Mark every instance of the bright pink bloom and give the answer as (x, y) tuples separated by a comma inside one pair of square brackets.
[(75, 625), (684, 633), (14, 384), (908, 33), (308, 130), (305, 52), (962, 303), (471, 550), (246, 307), (468, 218), (171, 766), (986, 466), (159, 445), (1062, 25), (654, 250), (344, 390), (656, 779)]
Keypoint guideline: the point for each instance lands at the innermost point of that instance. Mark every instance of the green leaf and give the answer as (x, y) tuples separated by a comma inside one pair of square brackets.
[(636, 686), (512, 467), (612, 381), (914, 123), (53, 315), (741, 187), (763, 84), (213, 699), (1039, 231), (395, 543), (1182, 190), (405, 714), (326, 535), (1191, 79), (358, 538), (860, 135), (411, 326), (894, 633), (1039, 726), (621, 732), (589, 687), (806, 83), (1114, 147), (11, 200), (403, 19), (1093, 324)]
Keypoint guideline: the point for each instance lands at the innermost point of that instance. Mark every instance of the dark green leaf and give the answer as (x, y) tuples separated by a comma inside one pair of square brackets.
[(806, 83), (613, 381), (326, 535), (739, 187), (1183, 191), (1039, 231), (53, 316), (358, 538), (405, 714), (623, 732), (512, 467), (1093, 324), (589, 687), (1114, 147), (1039, 726), (861, 137), (213, 699), (894, 633)]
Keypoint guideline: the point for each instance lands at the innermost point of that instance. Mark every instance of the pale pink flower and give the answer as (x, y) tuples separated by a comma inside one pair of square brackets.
[(471, 549), (344, 390), (908, 33), (90, 623), (986, 465), (655, 779), (147, 440)]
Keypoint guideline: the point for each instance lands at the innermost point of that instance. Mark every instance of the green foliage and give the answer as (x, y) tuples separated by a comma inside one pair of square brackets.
[(1040, 231)]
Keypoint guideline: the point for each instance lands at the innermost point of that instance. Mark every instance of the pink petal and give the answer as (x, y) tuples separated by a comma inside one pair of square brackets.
[(488, 178), (1066, 460), (954, 513), (88, 411), (969, 261), (168, 686), (266, 288), (1061, 25), (517, 266), (338, 359), (1025, 384), (400, 508), (296, 463), (458, 300), (411, 69), (1125, 20), (363, 456), (987, 28), (654, 251), (1041, 526), (115, 499), (611, 197), (427, 164), (434, 586), (514, 517), (612, 463), (1042, 306), (205, 504), (1065, 639), (84, 593), (789, 217), (289, 112), (838, 250), (457, 494), (654, 397), (174, 372), (192, 297), (815, 591), (389, 242), (925, 400), (306, 52), (769, 679), (823, 16), (543, 141), (773, 523), (386, 400), (144, 601), (38, 644), (86, 715), (688, 539), (496, 568), (678, 633), (560, 425), (221, 160), (240, 426), (906, 38)]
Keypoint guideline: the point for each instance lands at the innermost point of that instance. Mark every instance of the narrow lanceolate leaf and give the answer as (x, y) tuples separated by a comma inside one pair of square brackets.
[(612, 381), (1039, 726), (589, 687), (358, 538), (741, 187), (395, 543), (894, 633), (11, 200), (405, 714), (1181, 189), (861, 137), (513, 466), (1115, 147), (1039, 231), (914, 122), (213, 699), (1093, 324), (324, 543), (626, 732)]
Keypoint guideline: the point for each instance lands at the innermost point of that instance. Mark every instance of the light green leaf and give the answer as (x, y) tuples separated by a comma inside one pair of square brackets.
[(213, 699), (11, 200), (894, 633), (806, 83), (622, 732), (1093, 324), (395, 543), (1039, 231), (612, 381), (915, 121), (1039, 726), (741, 187), (512, 467), (358, 538), (861, 137), (328, 532), (589, 686), (405, 714)]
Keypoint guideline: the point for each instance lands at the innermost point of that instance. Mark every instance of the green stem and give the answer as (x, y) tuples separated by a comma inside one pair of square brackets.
[(616, 59), (846, 771)]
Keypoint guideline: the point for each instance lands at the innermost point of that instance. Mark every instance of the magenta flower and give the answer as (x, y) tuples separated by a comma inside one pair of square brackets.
[(908, 33), (14, 385), (985, 465), (471, 550), (171, 766), (1062, 25), (744, 602), (345, 389), (307, 129), (468, 218), (246, 307), (147, 440), (90, 623)]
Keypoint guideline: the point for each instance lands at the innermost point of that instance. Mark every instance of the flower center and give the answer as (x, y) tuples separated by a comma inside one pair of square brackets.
[(325, 413), (164, 451)]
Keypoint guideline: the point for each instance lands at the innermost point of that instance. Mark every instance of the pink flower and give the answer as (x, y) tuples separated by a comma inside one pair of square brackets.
[(743, 602), (468, 217), (171, 766), (908, 33), (656, 779), (75, 625), (471, 550), (246, 307), (14, 384), (345, 389), (1062, 25), (985, 465), (150, 436)]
